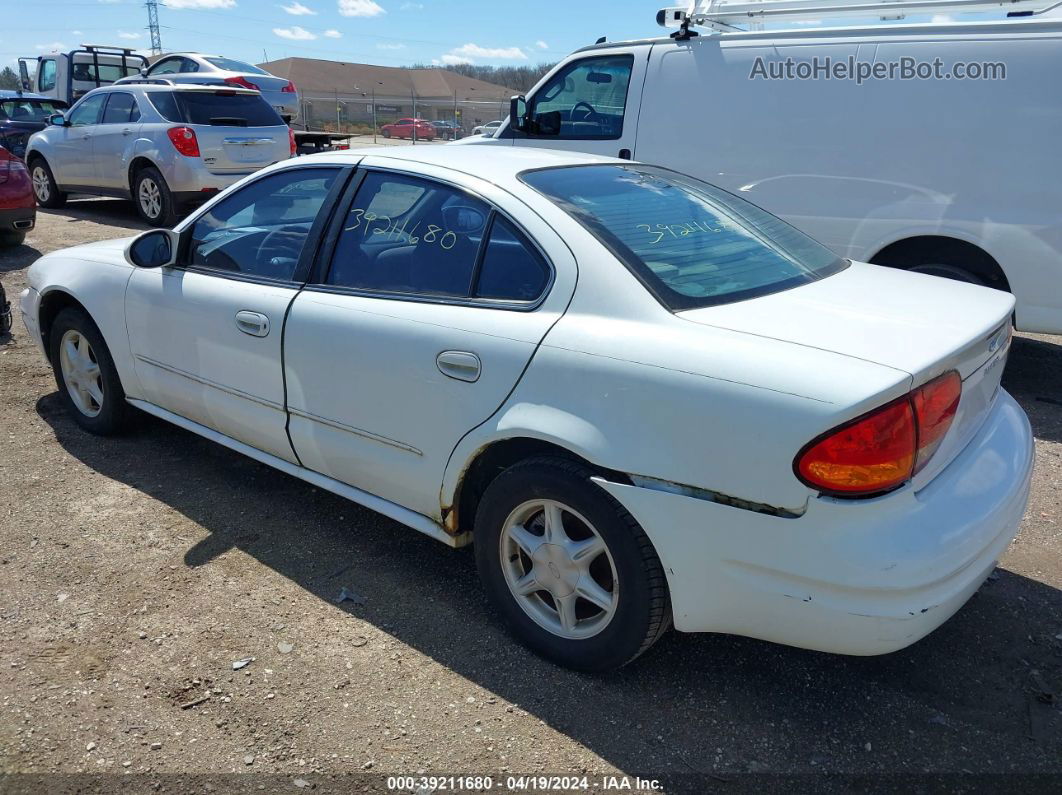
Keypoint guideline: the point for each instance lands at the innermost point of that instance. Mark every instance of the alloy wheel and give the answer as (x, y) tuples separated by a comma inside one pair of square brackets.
[(150, 198), (81, 373), (559, 569), (41, 187)]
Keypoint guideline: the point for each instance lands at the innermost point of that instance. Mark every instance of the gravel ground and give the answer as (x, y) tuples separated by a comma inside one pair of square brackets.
[(135, 571)]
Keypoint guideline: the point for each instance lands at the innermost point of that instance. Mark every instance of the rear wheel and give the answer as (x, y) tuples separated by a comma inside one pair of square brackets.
[(12, 239), (45, 190), (570, 571), (947, 271), (85, 374), (386, 133), (153, 199)]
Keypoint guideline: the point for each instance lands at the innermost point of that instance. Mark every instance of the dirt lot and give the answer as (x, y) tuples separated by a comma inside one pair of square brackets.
[(135, 571)]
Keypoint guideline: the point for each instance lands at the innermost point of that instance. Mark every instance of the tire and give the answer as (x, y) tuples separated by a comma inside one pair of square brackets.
[(12, 239), (111, 413), (152, 197), (626, 569), (946, 271), (45, 189), (386, 133)]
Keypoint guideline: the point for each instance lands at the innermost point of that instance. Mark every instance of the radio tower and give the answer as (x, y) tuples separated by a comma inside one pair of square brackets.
[(153, 26)]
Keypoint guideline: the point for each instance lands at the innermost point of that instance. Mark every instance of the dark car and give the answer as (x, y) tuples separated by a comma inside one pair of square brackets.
[(21, 115), (447, 130), (18, 210)]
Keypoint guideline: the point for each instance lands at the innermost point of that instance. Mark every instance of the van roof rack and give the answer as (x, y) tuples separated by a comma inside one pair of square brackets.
[(726, 15)]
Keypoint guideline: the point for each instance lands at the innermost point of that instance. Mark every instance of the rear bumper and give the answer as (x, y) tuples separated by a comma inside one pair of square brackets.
[(18, 219), (852, 577)]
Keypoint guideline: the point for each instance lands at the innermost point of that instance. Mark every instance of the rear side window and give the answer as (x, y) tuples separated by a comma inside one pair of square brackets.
[(586, 99), (165, 103), (690, 243), (511, 269), (121, 109), (227, 109)]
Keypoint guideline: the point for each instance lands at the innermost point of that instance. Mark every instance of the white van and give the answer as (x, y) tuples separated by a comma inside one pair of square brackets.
[(945, 173)]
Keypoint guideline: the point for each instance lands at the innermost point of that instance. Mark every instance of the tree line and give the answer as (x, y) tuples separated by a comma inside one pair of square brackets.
[(9, 80)]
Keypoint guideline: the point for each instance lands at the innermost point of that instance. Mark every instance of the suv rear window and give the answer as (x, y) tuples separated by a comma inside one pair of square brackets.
[(219, 108), (691, 244)]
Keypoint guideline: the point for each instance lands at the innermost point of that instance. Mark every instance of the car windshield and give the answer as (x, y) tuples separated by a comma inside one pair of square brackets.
[(236, 66), (691, 244), (29, 109), (219, 108)]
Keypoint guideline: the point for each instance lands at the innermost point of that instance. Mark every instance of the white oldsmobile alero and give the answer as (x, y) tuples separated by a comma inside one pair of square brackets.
[(645, 400)]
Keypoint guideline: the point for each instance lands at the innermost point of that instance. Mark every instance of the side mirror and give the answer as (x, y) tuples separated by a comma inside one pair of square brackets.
[(153, 249), (143, 71), (57, 120), (518, 113)]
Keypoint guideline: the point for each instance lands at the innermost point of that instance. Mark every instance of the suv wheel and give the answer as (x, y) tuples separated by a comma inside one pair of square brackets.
[(153, 199), (45, 190), (570, 571)]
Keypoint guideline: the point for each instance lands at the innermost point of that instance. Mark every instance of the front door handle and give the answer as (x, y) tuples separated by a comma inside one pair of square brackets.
[(254, 323), (462, 365), (127, 131)]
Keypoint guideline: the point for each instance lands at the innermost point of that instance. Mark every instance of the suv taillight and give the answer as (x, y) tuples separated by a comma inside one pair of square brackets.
[(184, 140), (291, 142), (289, 88), (241, 81), (884, 448)]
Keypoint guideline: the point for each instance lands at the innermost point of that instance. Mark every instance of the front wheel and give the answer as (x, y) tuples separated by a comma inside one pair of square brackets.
[(386, 133), (570, 571), (154, 202)]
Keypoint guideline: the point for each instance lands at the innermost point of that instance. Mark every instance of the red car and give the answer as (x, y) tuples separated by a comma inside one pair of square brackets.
[(18, 210), (408, 128)]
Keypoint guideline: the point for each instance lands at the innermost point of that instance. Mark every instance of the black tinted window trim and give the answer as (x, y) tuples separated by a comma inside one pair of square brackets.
[(672, 301), (322, 268)]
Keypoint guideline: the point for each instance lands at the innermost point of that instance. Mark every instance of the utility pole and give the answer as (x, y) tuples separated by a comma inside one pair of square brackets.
[(153, 26)]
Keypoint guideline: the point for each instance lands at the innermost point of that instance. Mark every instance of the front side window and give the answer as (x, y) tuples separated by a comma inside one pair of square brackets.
[(586, 99), (408, 235), (121, 109), (87, 111), (690, 243), (169, 66), (262, 229), (47, 78)]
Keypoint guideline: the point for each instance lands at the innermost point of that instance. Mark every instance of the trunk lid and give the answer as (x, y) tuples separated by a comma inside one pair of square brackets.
[(922, 325)]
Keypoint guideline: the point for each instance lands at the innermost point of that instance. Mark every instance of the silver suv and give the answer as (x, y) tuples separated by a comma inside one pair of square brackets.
[(167, 147)]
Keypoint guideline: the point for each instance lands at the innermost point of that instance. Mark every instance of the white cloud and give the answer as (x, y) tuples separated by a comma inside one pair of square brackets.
[(412, 7), (449, 59), (110, 2), (332, 33), (297, 9), (360, 8), (123, 35), (76, 33), (390, 46), (197, 4), (466, 52), (295, 33), (541, 45), (55, 46)]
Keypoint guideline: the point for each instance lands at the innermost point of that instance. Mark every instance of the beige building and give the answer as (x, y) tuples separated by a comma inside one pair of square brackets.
[(349, 94)]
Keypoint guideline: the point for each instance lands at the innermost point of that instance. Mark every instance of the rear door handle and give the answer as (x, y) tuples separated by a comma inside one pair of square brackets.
[(462, 365), (254, 323)]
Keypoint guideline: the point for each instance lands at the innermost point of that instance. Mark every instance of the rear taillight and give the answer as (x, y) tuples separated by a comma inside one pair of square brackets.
[(289, 88), (884, 448), (291, 142), (184, 140), (241, 81)]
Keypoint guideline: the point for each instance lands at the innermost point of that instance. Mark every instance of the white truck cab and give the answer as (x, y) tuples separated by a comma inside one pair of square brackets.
[(930, 146), (70, 75)]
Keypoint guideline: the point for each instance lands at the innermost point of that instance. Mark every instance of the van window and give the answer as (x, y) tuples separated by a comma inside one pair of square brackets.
[(691, 244), (46, 82), (584, 100)]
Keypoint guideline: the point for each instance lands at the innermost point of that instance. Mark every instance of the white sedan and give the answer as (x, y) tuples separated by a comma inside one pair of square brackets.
[(646, 400)]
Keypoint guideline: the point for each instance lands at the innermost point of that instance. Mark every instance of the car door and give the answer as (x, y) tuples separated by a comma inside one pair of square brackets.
[(72, 155), (589, 105), (434, 301), (112, 144), (206, 335)]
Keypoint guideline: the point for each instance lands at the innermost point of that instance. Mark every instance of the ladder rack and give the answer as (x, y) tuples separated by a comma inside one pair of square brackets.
[(726, 15)]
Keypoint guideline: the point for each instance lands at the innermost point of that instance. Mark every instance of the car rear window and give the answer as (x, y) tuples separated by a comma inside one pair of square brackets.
[(235, 66), (691, 244), (220, 108)]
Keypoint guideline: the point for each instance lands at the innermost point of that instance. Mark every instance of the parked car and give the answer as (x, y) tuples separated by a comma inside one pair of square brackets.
[(414, 129), (18, 211), (488, 129), (165, 147), (217, 70), (447, 130), (644, 398), (935, 198), (21, 115)]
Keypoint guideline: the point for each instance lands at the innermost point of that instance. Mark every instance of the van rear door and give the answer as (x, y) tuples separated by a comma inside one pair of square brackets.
[(588, 104)]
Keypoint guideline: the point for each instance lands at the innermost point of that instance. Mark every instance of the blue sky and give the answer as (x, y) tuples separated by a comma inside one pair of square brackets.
[(387, 32)]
